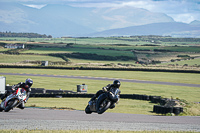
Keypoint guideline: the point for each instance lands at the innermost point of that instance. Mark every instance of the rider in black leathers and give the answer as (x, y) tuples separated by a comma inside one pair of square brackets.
[(114, 92), (27, 86)]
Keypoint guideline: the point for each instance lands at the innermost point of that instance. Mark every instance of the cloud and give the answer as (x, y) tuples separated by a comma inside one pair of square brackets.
[(35, 6), (185, 17), (180, 10)]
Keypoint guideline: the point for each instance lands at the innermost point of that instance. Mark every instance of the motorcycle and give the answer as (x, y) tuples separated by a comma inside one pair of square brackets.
[(99, 105), (13, 100)]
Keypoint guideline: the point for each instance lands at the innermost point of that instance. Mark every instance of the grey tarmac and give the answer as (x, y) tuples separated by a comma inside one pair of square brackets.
[(51, 119)]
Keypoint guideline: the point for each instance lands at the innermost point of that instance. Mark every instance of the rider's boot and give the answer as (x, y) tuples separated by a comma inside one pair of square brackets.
[(3, 96), (112, 106), (93, 98), (21, 106)]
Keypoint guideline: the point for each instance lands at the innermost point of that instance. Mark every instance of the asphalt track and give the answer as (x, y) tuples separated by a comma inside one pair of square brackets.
[(104, 78), (49, 119)]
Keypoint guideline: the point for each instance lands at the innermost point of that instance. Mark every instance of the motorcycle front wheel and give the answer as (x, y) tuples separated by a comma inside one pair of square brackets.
[(102, 105), (87, 110), (10, 105)]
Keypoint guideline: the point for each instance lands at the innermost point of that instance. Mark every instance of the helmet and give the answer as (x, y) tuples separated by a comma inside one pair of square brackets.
[(28, 83), (116, 83)]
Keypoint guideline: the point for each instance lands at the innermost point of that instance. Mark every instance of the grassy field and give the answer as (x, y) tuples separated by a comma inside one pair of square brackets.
[(146, 49), (191, 78), (181, 92), (5, 58), (124, 105), (80, 50), (189, 62), (110, 40)]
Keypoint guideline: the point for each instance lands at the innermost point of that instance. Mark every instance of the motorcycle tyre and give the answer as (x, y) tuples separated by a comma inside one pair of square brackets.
[(99, 101), (8, 108), (87, 110), (1, 109)]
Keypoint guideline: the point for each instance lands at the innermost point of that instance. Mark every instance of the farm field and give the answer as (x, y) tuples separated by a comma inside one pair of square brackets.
[(111, 51), (114, 52), (5, 58)]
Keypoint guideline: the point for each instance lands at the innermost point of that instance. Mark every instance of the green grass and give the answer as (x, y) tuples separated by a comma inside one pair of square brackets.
[(81, 62), (181, 92), (88, 131), (80, 50), (191, 78), (190, 94), (124, 105), (4, 58), (3, 49), (110, 46), (183, 62), (187, 93), (182, 49), (167, 41)]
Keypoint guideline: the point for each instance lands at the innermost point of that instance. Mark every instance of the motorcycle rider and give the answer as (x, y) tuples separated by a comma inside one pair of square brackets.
[(27, 86), (114, 92)]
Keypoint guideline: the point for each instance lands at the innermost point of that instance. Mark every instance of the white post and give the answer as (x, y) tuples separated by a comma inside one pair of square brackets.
[(2, 84)]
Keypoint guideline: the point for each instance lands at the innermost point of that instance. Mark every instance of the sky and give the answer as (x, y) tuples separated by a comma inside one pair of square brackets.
[(180, 10)]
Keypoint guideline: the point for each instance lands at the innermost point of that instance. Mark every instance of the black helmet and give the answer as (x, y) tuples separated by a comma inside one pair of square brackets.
[(116, 83), (28, 83)]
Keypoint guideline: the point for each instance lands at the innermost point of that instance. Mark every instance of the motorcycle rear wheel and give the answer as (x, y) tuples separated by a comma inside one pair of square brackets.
[(10, 105)]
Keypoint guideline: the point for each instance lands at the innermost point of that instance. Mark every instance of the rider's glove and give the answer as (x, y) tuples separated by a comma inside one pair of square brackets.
[(104, 89), (112, 94), (90, 102), (13, 87)]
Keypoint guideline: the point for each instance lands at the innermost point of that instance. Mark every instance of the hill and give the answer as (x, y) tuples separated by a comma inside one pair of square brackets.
[(176, 29), (63, 20)]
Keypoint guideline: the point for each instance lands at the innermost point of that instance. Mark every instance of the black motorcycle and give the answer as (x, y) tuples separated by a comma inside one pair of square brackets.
[(99, 105)]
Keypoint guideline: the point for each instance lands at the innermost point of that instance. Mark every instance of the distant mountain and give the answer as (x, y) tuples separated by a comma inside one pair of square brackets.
[(195, 22), (62, 20), (16, 17), (175, 29)]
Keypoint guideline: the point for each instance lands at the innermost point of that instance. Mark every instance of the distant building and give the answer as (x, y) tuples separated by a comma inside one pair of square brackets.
[(15, 46)]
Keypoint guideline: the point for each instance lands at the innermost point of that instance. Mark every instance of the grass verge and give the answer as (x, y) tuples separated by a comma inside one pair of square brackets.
[(124, 105), (128, 106)]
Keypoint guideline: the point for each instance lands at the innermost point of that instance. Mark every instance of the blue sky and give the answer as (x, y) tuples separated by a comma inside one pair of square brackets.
[(180, 10)]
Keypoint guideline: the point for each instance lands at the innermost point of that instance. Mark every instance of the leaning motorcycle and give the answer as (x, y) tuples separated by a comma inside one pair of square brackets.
[(13, 100), (99, 105)]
